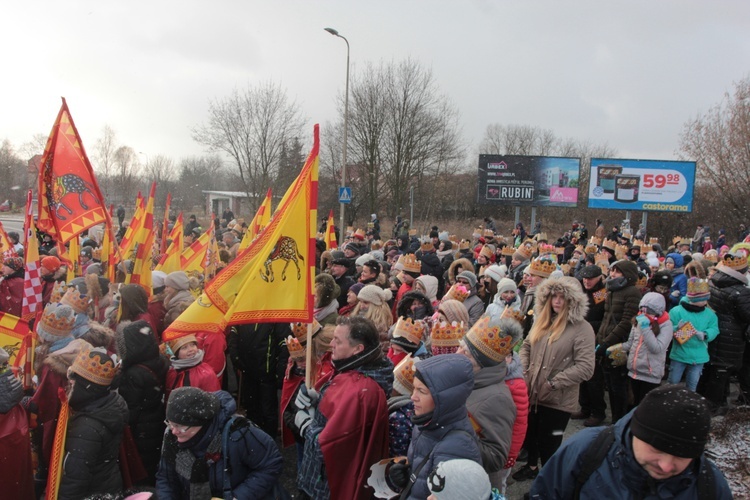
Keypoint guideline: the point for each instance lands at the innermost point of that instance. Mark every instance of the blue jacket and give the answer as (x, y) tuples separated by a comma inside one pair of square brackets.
[(450, 379), (619, 475), (254, 459)]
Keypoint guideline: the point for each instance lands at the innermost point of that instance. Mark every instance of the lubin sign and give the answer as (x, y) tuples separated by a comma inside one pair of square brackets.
[(650, 185), (528, 180)]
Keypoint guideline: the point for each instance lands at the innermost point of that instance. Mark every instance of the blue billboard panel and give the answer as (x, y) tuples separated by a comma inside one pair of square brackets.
[(528, 180), (649, 185)]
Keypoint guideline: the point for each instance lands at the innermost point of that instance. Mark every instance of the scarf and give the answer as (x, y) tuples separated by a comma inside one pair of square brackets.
[(616, 284), (321, 312), (183, 364), (692, 307), (358, 360), (421, 420), (194, 469)]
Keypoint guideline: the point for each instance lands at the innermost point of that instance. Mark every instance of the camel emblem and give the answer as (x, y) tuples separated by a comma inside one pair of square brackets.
[(68, 183), (286, 250), (13, 349)]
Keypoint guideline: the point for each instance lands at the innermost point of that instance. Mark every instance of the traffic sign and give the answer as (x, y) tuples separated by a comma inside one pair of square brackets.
[(345, 195)]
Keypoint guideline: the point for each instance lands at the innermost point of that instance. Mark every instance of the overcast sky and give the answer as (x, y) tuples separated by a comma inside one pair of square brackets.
[(626, 73)]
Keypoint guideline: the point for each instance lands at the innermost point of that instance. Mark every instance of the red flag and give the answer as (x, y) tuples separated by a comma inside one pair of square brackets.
[(70, 200)]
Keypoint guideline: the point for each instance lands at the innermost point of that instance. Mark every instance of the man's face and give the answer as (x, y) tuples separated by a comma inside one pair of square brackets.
[(658, 464), (341, 347), (589, 283), (349, 253), (338, 270)]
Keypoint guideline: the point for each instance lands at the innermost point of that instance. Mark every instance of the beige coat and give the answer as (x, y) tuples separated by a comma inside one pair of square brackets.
[(567, 361)]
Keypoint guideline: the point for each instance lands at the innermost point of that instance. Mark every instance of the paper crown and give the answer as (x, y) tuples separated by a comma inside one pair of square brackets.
[(488, 233), (684, 241), (376, 244), (638, 242), (542, 267), (508, 251), (413, 331), (526, 250), (464, 245), (296, 349), (579, 249), (56, 320), (412, 232), (621, 251), (96, 254), (712, 256), (446, 336), (698, 288), (94, 365), (642, 282), (359, 234), (58, 290), (411, 264), (489, 340), (736, 261), (427, 246), (515, 314), (478, 231), (349, 230), (486, 251), (545, 248), (542, 236), (403, 376), (76, 300), (300, 330), (645, 249), (609, 244), (457, 292), (601, 258)]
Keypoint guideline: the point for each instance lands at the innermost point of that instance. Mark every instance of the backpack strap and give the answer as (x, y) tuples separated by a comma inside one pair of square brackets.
[(706, 482), (592, 458), (230, 426)]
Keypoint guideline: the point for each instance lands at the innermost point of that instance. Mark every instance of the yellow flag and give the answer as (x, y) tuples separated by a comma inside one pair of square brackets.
[(74, 257), (171, 261), (260, 221), (193, 258), (271, 280), (143, 245)]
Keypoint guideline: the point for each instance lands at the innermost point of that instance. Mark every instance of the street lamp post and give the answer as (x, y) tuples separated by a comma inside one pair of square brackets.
[(342, 229)]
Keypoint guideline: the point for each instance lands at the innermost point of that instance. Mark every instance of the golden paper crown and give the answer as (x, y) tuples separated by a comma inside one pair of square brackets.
[(457, 292), (412, 232), (478, 231), (453, 239), (595, 241), (360, 232), (638, 242), (403, 376), (295, 348), (579, 249), (737, 261), (508, 251), (95, 365), (376, 244), (712, 256), (96, 254), (601, 258), (697, 286), (488, 233), (645, 249), (58, 290), (685, 241), (611, 244), (542, 267), (621, 251), (74, 298), (464, 245), (446, 334), (413, 331), (642, 281), (653, 241), (54, 324), (489, 340), (411, 264), (546, 248), (427, 246), (515, 314), (542, 236), (486, 251), (349, 230), (300, 330)]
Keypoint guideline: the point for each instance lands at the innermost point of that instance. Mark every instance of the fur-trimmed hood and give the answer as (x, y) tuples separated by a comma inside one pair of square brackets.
[(98, 335), (465, 264), (570, 288)]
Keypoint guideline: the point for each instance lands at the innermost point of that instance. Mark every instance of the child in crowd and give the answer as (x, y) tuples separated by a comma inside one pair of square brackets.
[(188, 368)]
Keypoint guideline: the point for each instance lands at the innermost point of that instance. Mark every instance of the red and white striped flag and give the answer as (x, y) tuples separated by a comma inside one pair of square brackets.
[(32, 283)]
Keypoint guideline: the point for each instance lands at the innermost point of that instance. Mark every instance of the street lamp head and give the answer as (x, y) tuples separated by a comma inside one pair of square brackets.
[(332, 31)]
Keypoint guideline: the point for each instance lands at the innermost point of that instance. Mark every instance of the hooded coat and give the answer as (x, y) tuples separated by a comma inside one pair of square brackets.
[(142, 386), (566, 361), (620, 307), (730, 300), (448, 435), (619, 475), (679, 280), (92, 447), (647, 351), (255, 463)]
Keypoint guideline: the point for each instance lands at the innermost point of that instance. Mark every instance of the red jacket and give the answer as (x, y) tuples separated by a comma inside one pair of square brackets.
[(403, 290), (214, 351), (11, 295), (157, 311), (16, 480), (520, 395), (200, 376)]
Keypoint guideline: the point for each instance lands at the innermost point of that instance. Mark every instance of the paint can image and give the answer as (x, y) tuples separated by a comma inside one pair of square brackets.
[(605, 177), (626, 188)]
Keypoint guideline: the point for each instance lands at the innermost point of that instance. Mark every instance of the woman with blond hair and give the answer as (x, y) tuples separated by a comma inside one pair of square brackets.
[(373, 305), (557, 356)]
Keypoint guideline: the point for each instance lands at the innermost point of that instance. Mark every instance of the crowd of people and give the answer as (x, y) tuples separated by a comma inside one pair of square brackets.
[(452, 359)]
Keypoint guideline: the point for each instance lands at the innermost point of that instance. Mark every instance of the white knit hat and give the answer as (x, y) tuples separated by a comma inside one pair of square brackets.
[(374, 295)]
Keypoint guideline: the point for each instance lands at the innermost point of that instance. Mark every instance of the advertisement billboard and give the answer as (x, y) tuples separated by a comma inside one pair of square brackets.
[(650, 185), (528, 180)]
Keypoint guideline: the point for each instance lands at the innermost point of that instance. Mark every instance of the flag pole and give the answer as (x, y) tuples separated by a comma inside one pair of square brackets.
[(308, 358)]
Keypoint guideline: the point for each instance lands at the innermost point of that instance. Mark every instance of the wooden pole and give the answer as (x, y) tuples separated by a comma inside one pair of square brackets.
[(308, 357)]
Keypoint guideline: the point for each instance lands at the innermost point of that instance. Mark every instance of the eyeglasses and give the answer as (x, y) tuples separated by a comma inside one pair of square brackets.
[(180, 429)]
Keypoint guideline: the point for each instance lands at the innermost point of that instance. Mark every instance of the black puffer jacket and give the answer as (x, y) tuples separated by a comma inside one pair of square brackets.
[(620, 307), (431, 265), (597, 297), (144, 373), (91, 449), (730, 300)]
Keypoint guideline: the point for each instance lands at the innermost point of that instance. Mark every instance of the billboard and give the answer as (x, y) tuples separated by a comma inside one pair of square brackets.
[(650, 185), (528, 180)]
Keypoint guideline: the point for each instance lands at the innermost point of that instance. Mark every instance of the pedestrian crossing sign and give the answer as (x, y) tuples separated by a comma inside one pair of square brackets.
[(345, 195)]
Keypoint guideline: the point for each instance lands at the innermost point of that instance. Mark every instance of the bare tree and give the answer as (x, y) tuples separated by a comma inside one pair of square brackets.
[(518, 140), (195, 175), (104, 155), (12, 174), (719, 141), (33, 147), (251, 127), (126, 169)]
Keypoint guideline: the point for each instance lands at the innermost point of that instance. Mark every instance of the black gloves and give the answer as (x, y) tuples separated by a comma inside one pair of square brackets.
[(398, 474)]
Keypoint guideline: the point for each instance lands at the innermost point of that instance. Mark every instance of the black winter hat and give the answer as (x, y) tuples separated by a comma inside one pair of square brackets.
[(662, 277), (192, 406), (673, 419), (591, 271)]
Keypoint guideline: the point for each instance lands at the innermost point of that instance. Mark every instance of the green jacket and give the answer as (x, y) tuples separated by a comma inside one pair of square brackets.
[(694, 351)]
